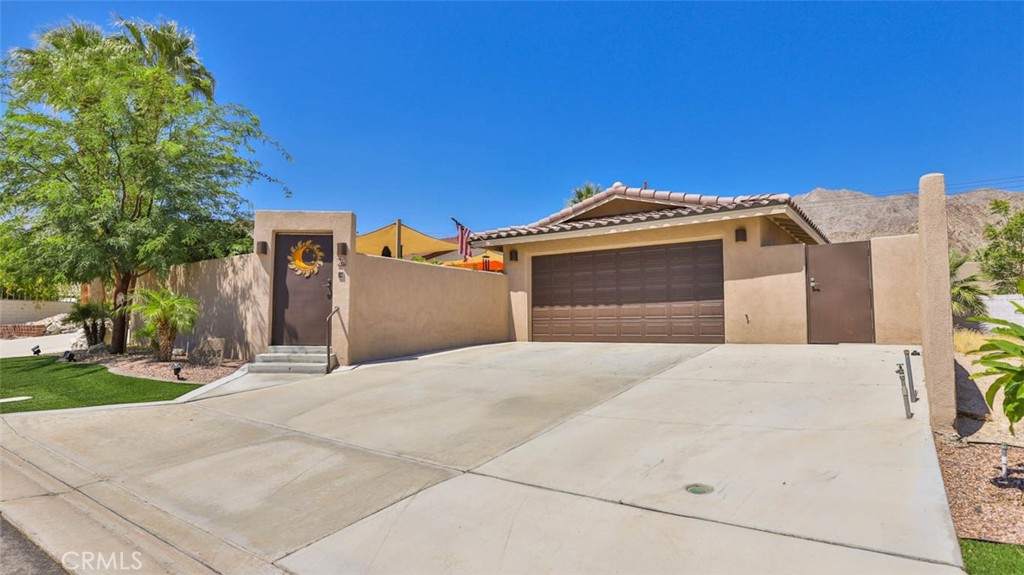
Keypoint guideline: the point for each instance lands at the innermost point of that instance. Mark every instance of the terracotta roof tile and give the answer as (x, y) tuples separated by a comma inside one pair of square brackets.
[(677, 205)]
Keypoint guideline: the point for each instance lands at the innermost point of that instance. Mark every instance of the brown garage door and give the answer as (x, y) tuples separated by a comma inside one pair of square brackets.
[(672, 293)]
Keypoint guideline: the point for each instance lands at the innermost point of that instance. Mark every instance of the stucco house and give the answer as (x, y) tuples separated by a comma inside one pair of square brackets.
[(641, 265)]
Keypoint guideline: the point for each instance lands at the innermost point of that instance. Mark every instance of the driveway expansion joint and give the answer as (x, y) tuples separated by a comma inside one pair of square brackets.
[(717, 521)]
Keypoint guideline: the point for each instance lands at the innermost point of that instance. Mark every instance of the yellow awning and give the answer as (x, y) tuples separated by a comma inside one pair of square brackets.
[(413, 242)]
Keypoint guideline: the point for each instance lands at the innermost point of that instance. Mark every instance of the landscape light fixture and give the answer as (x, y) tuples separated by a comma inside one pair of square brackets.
[(69, 356), (36, 350), (176, 368)]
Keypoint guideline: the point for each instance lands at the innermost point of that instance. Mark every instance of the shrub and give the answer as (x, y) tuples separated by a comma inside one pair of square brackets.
[(1004, 357)]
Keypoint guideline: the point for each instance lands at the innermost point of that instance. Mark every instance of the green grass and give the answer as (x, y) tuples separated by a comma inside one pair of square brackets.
[(55, 385), (984, 558)]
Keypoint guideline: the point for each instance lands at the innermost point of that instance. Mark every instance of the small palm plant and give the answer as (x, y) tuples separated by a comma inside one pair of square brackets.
[(169, 313), (966, 295), (93, 319), (1004, 357)]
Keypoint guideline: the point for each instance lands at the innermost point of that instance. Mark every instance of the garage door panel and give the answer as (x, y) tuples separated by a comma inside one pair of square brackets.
[(668, 293), (631, 328), (656, 328)]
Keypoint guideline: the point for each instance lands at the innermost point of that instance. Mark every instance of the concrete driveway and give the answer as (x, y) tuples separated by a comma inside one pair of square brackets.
[(515, 458), (47, 344)]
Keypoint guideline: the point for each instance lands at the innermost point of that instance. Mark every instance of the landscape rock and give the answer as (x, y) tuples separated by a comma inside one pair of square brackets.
[(55, 324)]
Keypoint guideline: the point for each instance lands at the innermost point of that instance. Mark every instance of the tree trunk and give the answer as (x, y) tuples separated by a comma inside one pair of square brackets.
[(119, 333), (166, 335)]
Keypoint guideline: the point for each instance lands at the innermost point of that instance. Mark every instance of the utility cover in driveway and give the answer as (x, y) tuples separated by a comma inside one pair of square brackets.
[(669, 293)]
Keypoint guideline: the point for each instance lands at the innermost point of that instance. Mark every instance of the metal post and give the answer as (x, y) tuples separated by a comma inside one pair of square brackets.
[(1005, 460), (910, 376), (903, 385), (398, 239)]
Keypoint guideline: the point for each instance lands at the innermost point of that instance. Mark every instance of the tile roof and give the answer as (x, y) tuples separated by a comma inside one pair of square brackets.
[(670, 205)]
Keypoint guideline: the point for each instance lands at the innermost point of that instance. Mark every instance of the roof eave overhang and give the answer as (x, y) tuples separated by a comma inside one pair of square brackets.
[(717, 216), (805, 225)]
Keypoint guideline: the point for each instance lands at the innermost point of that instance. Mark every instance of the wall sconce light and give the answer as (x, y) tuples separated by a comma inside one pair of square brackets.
[(741, 234), (342, 249), (486, 263), (262, 248), (513, 255)]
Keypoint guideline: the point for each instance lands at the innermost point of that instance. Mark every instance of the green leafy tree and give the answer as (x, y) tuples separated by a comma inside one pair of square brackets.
[(92, 317), (587, 190), (165, 45), (1004, 358), (111, 168), (1002, 259), (966, 294), (167, 314)]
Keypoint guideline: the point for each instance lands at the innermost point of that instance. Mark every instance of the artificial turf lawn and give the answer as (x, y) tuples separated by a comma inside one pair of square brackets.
[(55, 385), (984, 558)]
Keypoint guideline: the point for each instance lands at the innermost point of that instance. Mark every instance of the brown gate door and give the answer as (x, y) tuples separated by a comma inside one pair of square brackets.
[(839, 303), (302, 289), (672, 293)]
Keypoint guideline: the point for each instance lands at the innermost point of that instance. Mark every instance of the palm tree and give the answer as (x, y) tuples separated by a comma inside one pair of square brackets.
[(59, 42), (165, 45), (93, 319), (587, 190), (169, 313), (966, 295)]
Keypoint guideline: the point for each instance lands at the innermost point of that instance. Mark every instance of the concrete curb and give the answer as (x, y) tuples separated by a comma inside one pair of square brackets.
[(179, 400)]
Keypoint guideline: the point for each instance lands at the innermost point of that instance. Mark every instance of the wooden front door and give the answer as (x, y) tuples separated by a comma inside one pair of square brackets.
[(302, 289), (839, 299)]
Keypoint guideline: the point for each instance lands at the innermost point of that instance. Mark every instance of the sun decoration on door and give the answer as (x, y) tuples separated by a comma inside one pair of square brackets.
[(306, 258)]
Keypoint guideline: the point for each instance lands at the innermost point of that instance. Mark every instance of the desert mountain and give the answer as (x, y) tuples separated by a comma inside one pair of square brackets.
[(848, 216)]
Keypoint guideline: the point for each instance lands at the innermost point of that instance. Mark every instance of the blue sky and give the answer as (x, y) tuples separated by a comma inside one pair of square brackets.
[(493, 112)]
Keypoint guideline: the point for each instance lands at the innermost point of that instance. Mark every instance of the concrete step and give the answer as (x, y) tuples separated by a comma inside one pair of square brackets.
[(291, 357), (288, 367), (298, 349)]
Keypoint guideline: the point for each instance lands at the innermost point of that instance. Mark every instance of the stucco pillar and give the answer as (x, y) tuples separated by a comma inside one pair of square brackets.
[(937, 316)]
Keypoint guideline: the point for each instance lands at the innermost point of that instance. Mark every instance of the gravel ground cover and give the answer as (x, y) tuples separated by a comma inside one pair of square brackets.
[(140, 362), (983, 506)]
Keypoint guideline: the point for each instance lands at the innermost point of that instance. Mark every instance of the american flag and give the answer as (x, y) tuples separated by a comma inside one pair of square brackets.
[(464, 250)]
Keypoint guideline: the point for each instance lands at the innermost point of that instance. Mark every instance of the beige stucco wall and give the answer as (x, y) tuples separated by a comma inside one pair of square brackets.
[(403, 307), (765, 292), (15, 311), (936, 315), (229, 292), (896, 283), (342, 226)]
